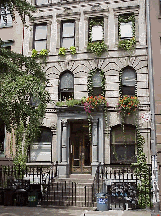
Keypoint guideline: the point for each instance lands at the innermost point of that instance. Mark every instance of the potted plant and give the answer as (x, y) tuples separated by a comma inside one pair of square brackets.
[(128, 105)]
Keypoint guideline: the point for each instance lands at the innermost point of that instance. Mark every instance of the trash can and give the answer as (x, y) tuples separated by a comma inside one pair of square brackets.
[(21, 197), (32, 198), (102, 202)]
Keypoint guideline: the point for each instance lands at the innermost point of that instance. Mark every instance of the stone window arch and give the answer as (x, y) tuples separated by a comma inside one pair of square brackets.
[(66, 85)]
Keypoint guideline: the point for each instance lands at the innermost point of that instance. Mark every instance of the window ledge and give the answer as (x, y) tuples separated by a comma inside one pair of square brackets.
[(39, 164)]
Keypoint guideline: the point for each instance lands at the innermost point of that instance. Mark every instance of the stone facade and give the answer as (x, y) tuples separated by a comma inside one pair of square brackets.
[(80, 64)]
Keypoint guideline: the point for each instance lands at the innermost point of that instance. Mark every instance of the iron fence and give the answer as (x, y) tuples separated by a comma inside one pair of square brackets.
[(124, 188)]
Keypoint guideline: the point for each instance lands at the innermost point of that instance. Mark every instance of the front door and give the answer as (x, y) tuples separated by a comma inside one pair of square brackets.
[(80, 148)]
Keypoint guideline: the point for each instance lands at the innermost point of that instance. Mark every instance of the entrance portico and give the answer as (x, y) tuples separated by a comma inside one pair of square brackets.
[(75, 151)]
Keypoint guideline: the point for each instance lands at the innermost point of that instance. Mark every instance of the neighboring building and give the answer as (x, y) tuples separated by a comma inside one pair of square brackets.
[(155, 18), (65, 135), (11, 33)]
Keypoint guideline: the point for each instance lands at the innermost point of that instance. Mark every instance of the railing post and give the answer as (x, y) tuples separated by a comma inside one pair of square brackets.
[(75, 193), (72, 193), (85, 196)]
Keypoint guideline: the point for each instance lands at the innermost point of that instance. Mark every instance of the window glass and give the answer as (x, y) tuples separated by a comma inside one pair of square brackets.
[(123, 152), (39, 45), (40, 150), (40, 37), (128, 81), (96, 79), (40, 32), (66, 86), (128, 78), (67, 81), (68, 34), (97, 33), (126, 30), (68, 42), (40, 2), (68, 29)]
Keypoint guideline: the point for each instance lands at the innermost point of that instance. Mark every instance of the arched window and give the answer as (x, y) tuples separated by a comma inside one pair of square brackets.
[(128, 81), (97, 80), (40, 150), (66, 86), (123, 144)]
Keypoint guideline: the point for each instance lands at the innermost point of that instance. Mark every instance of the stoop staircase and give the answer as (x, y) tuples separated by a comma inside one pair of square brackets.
[(77, 190)]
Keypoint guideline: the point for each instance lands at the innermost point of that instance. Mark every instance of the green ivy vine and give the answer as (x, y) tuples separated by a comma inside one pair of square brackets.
[(96, 47), (126, 44)]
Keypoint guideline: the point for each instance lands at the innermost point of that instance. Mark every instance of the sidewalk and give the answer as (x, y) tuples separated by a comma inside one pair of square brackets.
[(116, 213), (67, 211)]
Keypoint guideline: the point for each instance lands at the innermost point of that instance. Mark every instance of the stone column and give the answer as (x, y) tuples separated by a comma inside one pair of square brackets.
[(54, 141), (64, 141), (94, 146), (63, 166)]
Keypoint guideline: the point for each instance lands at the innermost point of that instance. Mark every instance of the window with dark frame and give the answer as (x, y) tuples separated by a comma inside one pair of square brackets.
[(97, 80), (66, 86), (40, 149), (40, 37), (5, 17), (68, 34), (123, 144), (128, 81)]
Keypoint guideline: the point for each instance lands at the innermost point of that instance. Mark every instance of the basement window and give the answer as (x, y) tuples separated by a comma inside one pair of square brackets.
[(123, 144), (40, 150)]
